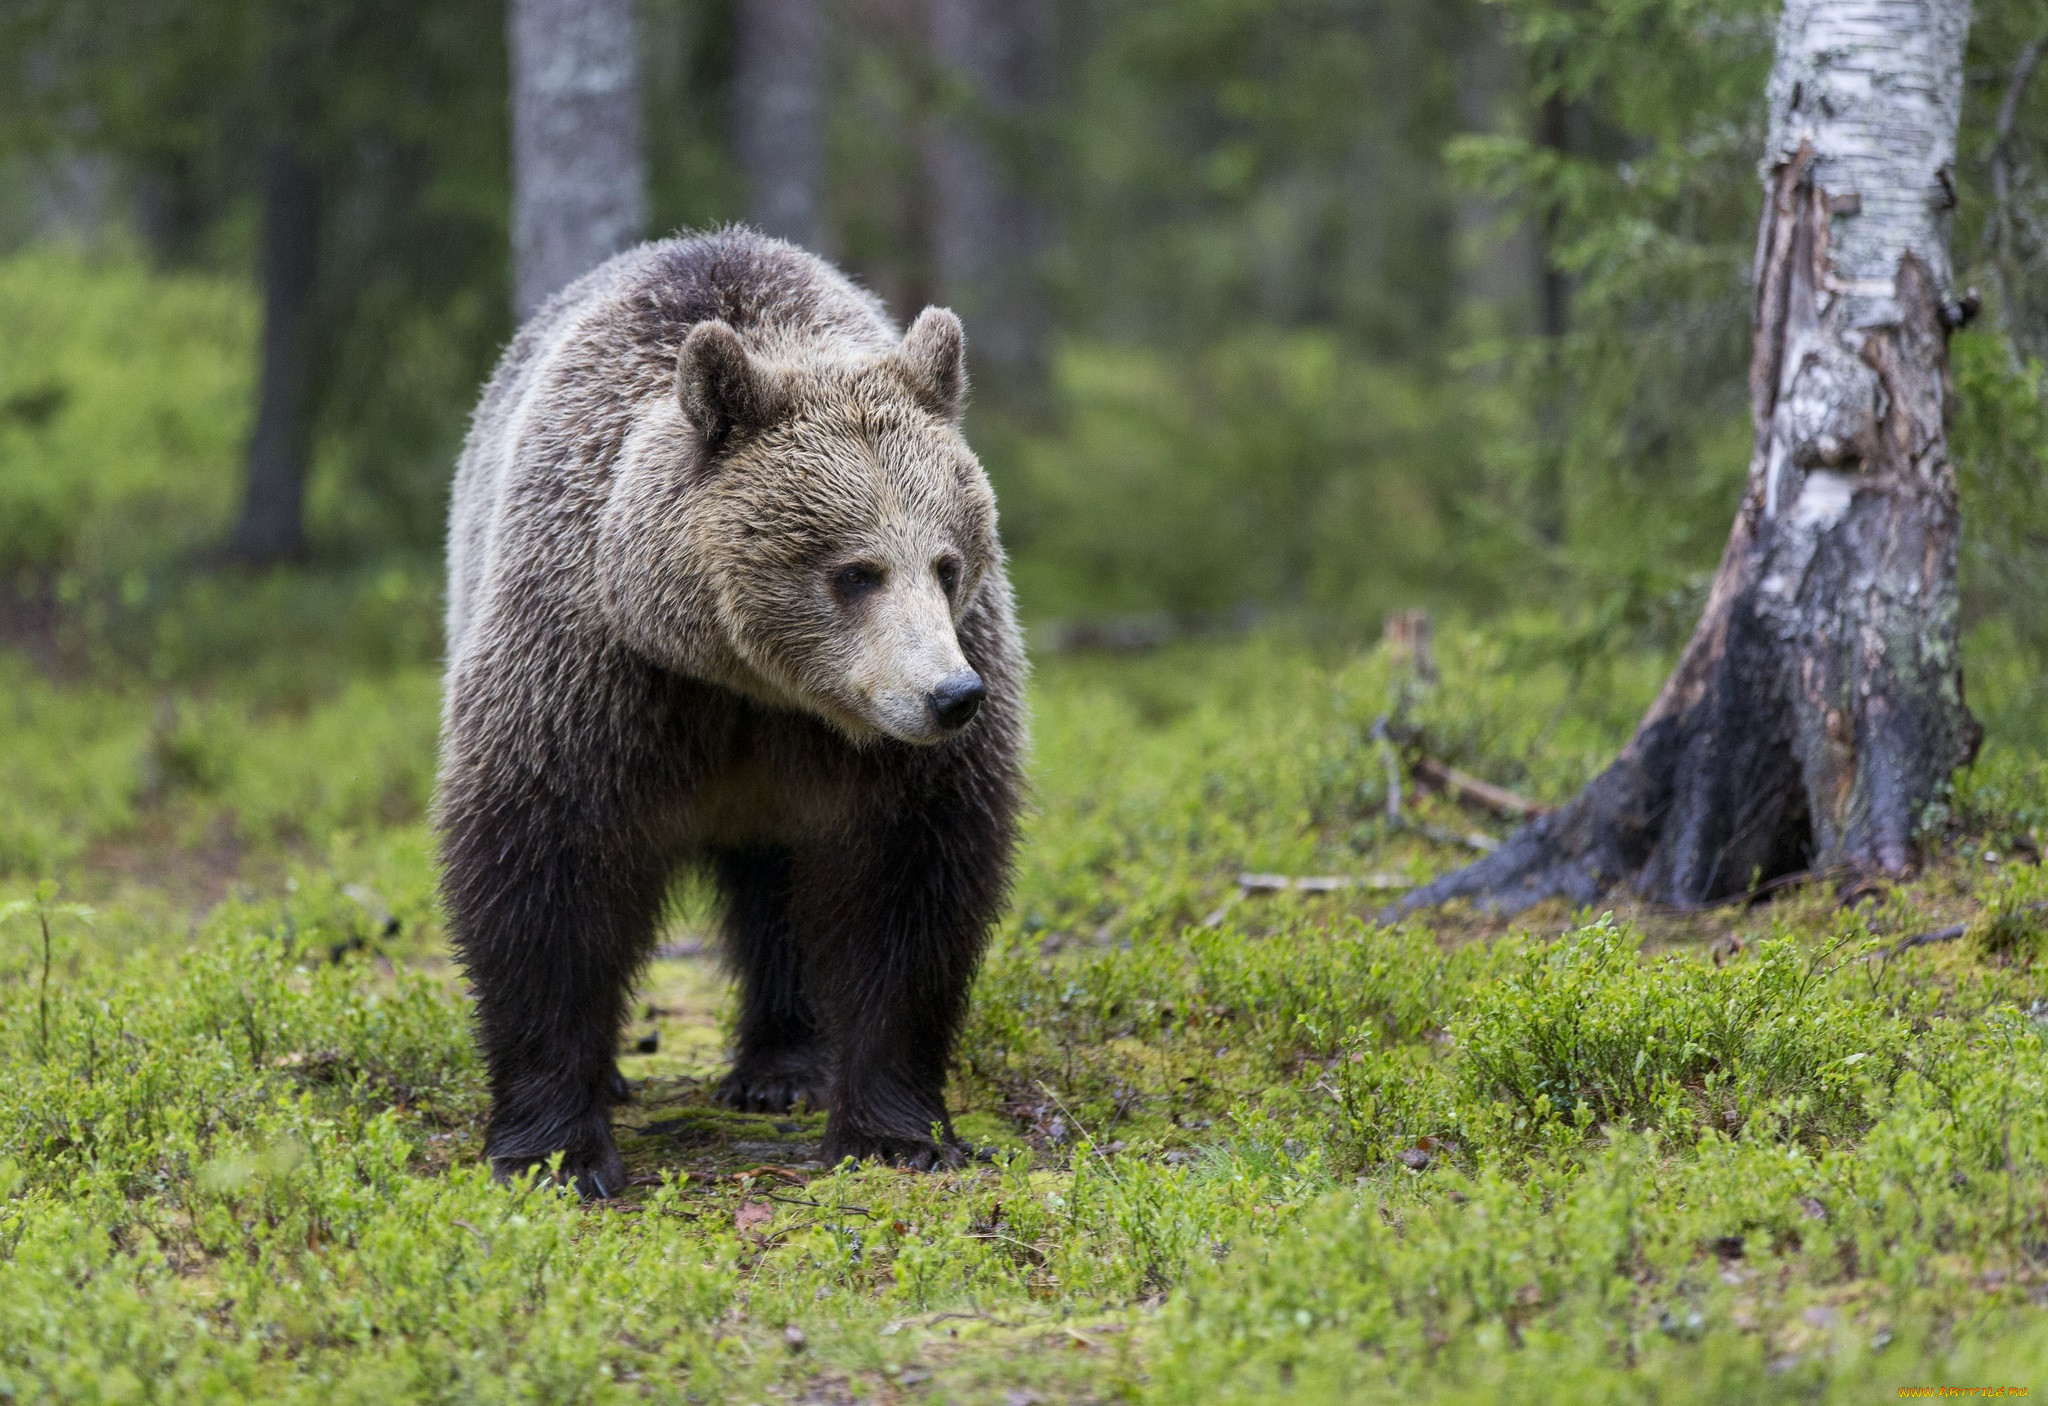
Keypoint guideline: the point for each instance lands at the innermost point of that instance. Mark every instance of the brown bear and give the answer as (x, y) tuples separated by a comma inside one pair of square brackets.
[(725, 590)]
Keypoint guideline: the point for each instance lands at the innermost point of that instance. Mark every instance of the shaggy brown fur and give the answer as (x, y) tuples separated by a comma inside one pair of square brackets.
[(725, 588)]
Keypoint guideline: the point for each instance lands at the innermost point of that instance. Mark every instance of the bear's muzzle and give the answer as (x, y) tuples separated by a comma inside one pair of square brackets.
[(956, 699)]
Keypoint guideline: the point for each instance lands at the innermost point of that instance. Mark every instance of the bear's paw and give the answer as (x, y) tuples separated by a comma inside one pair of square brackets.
[(920, 1154), (775, 1085)]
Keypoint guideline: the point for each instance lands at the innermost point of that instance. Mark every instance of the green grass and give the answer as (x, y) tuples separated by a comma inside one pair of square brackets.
[(1240, 1148), (123, 400)]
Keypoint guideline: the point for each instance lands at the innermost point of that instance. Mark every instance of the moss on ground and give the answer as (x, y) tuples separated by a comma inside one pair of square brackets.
[(1235, 1147)]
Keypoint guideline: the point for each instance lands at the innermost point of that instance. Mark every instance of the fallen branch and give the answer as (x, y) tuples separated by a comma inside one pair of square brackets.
[(1762, 890), (1258, 885), (1318, 883), (1470, 839), (1467, 787), (820, 1205), (1923, 939), (769, 1169), (1951, 932), (1390, 736)]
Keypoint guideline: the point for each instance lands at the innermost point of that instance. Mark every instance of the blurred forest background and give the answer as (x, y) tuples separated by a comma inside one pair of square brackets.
[(1304, 309)]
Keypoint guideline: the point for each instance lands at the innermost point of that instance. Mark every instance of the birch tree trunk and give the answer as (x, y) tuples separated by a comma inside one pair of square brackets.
[(271, 526), (578, 171), (1818, 710), (778, 116), (987, 231)]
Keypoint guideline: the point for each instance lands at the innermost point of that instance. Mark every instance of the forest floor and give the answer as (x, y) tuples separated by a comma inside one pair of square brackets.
[(1237, 1145)]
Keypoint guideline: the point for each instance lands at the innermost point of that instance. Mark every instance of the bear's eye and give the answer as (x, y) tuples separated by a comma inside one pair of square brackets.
[(855, 580), (948, 569)]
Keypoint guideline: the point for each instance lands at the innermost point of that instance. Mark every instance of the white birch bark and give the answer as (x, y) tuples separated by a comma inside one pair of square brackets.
[(1817, 714), (1858, 528), (578, 170), (1876, 88), (1872, 91)]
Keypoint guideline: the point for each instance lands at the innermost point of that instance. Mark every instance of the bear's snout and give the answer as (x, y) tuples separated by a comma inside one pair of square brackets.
[(956, 699)]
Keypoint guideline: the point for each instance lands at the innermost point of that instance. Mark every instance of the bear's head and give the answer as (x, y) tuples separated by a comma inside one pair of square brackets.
[(812, 530)]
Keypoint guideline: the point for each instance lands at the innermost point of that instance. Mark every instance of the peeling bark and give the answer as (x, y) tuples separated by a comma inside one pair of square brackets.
[(1818, 709)]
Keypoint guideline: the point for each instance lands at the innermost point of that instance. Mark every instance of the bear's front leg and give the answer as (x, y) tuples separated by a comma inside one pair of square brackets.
[(894, 932), (551, 919)]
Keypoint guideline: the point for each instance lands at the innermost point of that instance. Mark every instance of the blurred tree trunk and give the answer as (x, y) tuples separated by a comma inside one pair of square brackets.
[(271, 527), (579, 182), (778, 116), (2014, 237), (1503, 268), (1555, 124), (988, 232), (1554, 135), (1817, 714)]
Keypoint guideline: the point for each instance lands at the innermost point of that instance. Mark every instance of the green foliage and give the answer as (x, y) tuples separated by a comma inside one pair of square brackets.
[(399, 110), (1286, 470), (123, 397), (1293, 295), (1633, 145), (206, 776), (1227, 172), (1998, 446), (1636, 149), (1243, 1145), (1237, 1142), (1583, 1032), (1293, 368), (1592, 1275)]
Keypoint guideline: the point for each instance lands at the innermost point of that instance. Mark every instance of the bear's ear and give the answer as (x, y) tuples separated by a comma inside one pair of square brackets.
[(724, 391), (934, 361)]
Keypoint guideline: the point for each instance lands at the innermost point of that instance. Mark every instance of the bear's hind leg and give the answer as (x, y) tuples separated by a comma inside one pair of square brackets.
[(780, 1058)]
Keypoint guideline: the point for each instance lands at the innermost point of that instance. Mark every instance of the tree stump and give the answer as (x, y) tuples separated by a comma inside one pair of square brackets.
[(1817, 713)]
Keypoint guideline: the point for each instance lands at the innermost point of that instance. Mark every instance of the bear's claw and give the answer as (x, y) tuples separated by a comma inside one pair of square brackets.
[(772, 1088), (919, 1154), (594, 1168)]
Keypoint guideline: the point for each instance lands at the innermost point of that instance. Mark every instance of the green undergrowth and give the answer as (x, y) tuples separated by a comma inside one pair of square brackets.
[(123, 395), (1237, 1146)]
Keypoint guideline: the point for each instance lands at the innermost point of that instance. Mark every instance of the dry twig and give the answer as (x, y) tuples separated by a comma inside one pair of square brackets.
[(1467, 787)]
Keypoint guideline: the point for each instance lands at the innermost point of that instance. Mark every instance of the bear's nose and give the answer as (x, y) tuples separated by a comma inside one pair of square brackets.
[(957, 699)]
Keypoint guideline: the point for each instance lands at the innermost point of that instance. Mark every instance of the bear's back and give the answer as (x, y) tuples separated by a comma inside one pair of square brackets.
[(582, 371)]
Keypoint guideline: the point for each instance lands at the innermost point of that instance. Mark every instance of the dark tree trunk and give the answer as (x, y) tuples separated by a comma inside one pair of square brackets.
[(1503, 270), (271, 528), (579, 183), (988, 232), (1555, 136), (1818, 710), (778, 116), (1557, 121)]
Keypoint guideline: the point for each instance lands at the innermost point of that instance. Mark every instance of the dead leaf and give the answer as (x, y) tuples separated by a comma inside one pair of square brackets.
[(769, 1169)]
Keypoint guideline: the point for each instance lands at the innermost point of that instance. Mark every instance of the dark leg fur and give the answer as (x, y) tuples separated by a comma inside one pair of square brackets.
[(780, 1057), (552, 918), (894, 932)]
